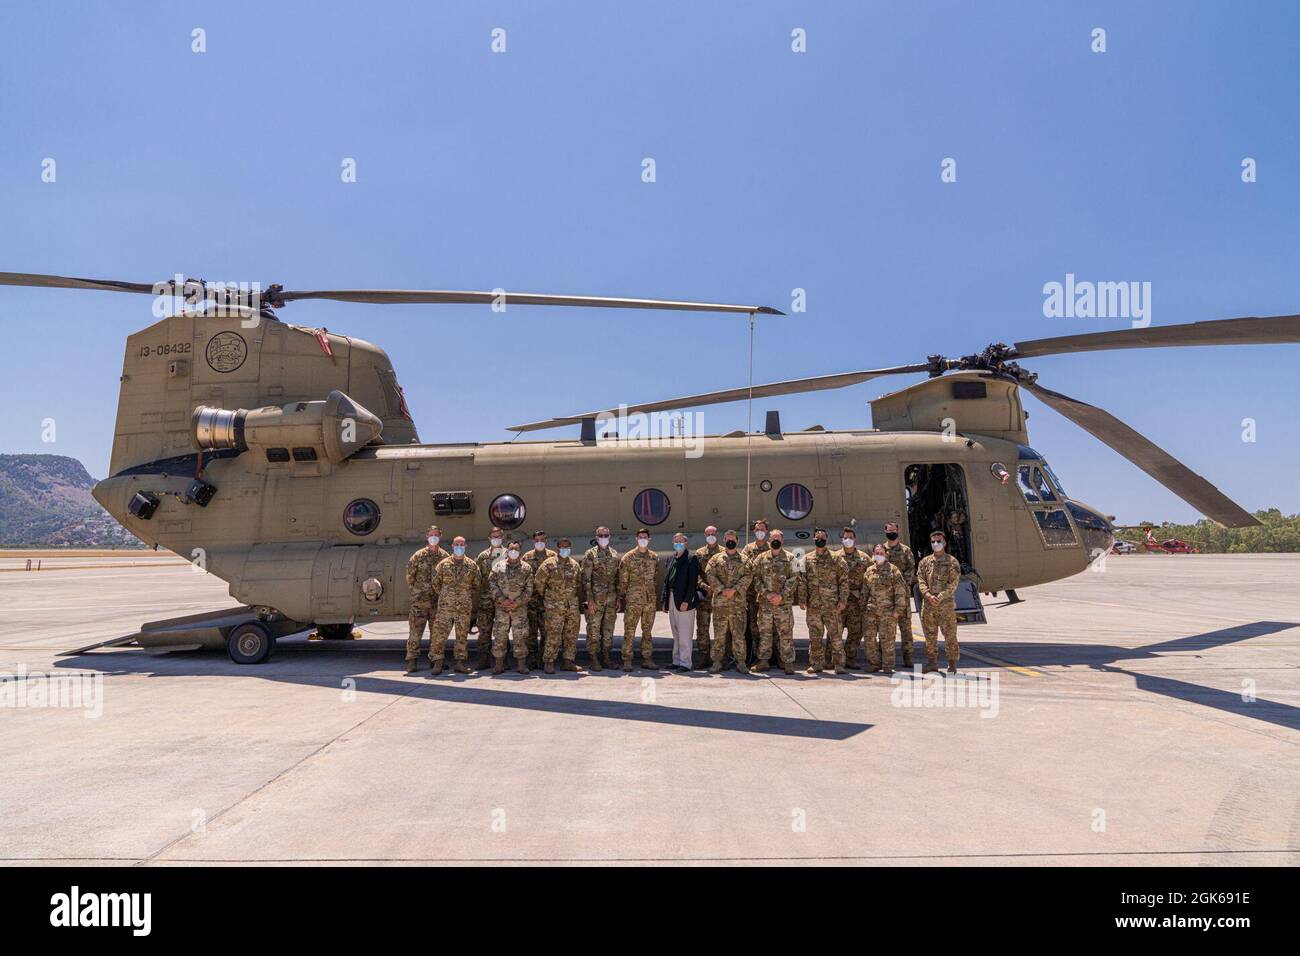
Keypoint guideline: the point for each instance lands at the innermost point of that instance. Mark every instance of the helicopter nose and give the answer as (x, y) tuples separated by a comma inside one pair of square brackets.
[(1097, 533)]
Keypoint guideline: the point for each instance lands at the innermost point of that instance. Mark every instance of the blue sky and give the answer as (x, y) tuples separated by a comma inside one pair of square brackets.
[(775, 171)]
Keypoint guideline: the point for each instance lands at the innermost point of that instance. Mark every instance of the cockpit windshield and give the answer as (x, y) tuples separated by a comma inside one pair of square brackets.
[(1047, 470), (1035, 486)]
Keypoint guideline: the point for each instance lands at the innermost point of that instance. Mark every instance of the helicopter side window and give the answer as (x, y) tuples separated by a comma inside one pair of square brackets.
[(1045, 491), (1027, 483), (1056, 528)]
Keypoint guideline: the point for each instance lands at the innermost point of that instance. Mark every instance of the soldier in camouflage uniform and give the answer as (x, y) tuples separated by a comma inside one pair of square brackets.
[(776, 581), (703, 610), (855, 605), (728, 576), (600, 585), (456, 584), (536, 624), (419, 578), (558, 581), (825, 578), (901, 557), (485, 612), (887, 597), (937, 576), (638, 590), (511, 586), (750, 551)]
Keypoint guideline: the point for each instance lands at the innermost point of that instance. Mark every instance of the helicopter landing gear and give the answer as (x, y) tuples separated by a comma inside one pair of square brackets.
[(250, 643), (337, 632)]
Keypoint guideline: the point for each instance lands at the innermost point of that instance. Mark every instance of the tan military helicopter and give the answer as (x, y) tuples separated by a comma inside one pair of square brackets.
[(283, 459)]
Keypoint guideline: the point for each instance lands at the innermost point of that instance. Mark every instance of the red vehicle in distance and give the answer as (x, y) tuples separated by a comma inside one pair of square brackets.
[(1169, 546)]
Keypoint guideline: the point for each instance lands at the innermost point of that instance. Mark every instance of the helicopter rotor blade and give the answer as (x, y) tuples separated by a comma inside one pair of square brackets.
[(34, 280), (276, 296), (1245, 331), (793, 386), (1148, 456), (449, 297)]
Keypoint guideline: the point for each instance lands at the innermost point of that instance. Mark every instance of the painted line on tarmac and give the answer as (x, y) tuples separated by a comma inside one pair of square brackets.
[(1026, 671)]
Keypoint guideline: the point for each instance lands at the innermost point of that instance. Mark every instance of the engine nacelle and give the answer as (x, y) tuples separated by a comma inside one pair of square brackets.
[(336, 428)]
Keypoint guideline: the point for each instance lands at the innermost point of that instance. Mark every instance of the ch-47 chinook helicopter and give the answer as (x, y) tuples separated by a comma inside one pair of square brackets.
[(283, 458)]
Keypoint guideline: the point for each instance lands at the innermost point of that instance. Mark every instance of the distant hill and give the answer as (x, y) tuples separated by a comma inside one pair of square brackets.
[(45, 502)]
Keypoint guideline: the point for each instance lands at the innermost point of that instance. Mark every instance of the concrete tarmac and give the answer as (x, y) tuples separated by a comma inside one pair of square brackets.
[(1148, 713)]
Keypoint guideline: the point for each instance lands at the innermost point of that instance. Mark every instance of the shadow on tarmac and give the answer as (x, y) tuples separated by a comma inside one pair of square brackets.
[(329, 663)]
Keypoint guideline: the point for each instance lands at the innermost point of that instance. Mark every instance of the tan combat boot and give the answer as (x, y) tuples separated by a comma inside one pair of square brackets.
[(742, 667), (499, 665), (435, 667), (788, 668), (595, 664), (548, 667), (522, 665), (568, 666), (460, 668), (412, 667), (715, 667), (931, 666), (758, 668)]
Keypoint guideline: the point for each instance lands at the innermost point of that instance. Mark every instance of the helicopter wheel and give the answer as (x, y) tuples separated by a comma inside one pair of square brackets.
[(250, 643)]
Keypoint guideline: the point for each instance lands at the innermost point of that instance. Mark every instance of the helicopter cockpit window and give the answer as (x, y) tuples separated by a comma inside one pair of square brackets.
[(1027, 483), (1056, 528), (1047, 470), (1034, 485), (361, 516), (507, 512)]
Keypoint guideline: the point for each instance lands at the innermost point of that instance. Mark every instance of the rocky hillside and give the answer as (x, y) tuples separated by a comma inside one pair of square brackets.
[(45, 502)]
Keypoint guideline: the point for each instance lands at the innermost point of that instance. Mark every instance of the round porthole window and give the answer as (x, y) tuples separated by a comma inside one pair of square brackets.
[(651, 507), (361, 516), (507, 512), (794, 501)]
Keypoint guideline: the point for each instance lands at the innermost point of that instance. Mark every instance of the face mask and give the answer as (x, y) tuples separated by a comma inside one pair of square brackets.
[(937, 545), (891, 535), (433, 540), (776, 544), (564, 552), (513, 553), (539, 545), (711, 539), (848, 543), (760, 535), (678, 546), (820, 542), (603, 542), (731, 544), (495, 542), (458, 549), (878, 558), (643, 542)]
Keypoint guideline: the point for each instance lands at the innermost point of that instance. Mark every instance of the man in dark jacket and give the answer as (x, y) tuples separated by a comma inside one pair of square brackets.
[(679, 598)]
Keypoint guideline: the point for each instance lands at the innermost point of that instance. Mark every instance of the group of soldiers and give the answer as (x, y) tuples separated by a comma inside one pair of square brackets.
[(528, 601)]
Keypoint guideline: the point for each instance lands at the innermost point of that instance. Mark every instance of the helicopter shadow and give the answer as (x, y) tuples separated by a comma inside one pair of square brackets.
[(1108, 658), (330, 664)]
